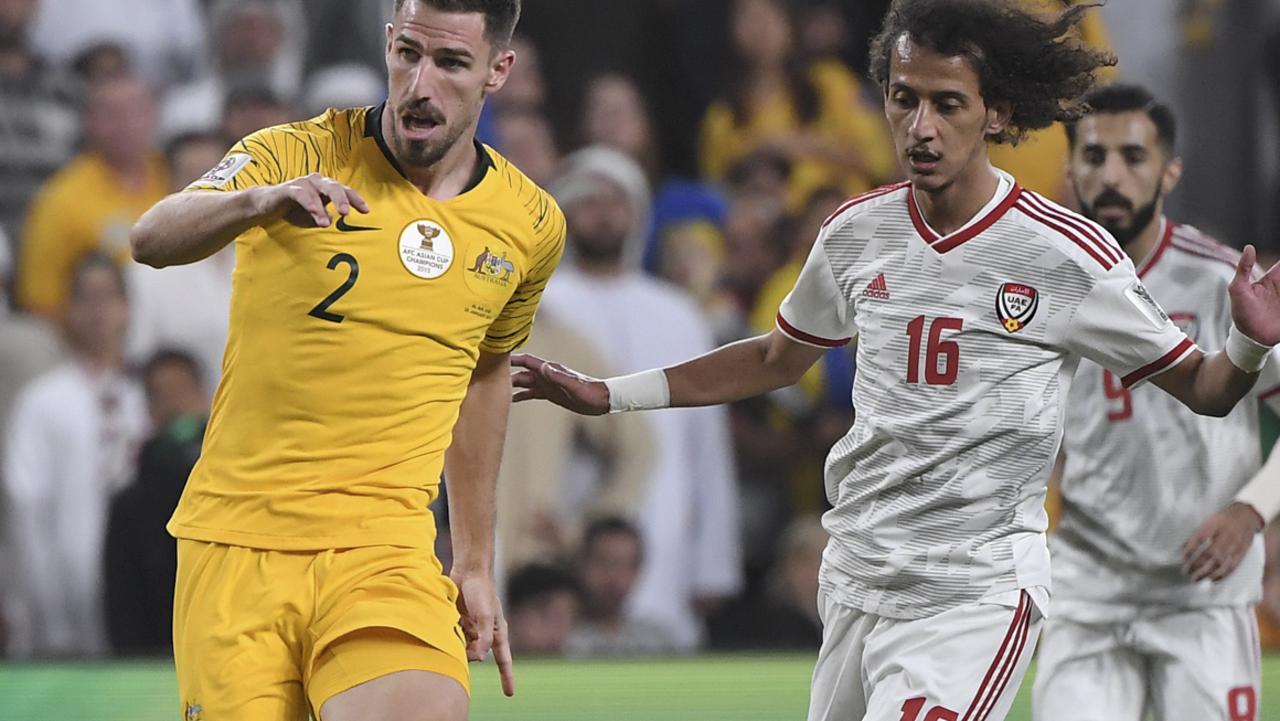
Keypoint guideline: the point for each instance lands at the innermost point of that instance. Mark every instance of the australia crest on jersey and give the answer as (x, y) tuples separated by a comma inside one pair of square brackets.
[(1016, 305)]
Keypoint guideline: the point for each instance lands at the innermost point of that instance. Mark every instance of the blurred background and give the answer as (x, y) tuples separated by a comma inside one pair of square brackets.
[(723, 132)]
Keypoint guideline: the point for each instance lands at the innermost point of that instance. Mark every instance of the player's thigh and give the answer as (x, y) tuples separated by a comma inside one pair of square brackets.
[(383, 610), (400, 695), (1208, 665), (235, 650), (1086, 673), (837, 693), (967, 662)]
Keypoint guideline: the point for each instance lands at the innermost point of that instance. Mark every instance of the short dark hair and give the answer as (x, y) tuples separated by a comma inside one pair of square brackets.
[(500, 16), (1031, 61), (536, 582), (1128, 98), (607, 526), (91, 261), (172, 357)]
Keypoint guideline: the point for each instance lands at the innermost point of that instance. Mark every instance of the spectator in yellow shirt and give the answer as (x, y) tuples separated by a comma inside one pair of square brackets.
[(93, 201), (811, 113)]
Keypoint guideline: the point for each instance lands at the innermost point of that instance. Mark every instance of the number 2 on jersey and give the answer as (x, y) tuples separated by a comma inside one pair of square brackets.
[(321, 310), (946, 351), (1115, 391)]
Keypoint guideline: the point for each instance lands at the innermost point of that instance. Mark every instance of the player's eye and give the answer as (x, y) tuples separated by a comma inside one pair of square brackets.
[(948, 108), (902, 100), (452, 63), (1094, 157), (409, 55), (1134, 157)]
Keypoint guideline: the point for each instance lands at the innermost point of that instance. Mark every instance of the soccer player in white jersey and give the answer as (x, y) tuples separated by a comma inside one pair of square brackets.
[(973, 301), (1136, 628)]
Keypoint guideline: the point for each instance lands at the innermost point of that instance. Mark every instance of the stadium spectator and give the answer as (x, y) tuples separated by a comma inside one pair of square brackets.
[(101, 62), (72, 435), (690, 514), (615, 115), (786, 617), (90, 204), (140, 558), (37, 124), (349, 85), (812, 113), (256, 42), (351, 32), (252, 106), (558, 470), (609, 564), (30, 347), (185, 307), (526, 87), (164, 41), (528, 141), (542, 608), (687, 248)]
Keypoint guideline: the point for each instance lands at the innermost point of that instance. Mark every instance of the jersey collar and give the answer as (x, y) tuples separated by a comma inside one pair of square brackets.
[(980, 222), (1166, 236), (373, 129)]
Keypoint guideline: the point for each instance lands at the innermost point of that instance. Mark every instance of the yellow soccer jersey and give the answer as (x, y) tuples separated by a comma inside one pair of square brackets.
[(351, 347)]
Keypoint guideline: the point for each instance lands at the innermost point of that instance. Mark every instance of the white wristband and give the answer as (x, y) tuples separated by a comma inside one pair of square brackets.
[(1246, 353), (643, 391), (1263, 490)]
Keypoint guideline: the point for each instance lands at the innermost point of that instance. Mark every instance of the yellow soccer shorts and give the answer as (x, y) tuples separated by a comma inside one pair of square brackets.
[(263, 635)]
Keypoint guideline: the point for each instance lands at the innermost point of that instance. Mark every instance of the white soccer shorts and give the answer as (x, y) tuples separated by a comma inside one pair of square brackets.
[(965, 664), (1179, 665)]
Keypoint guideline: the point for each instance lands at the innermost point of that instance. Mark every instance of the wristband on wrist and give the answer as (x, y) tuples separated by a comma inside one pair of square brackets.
[(643, 391), (1246, 353)]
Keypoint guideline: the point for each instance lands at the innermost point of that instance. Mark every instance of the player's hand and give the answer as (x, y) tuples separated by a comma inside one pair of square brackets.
[(1255, 304), (304, 201), (537, 378), (1221, 542), (484, 625)]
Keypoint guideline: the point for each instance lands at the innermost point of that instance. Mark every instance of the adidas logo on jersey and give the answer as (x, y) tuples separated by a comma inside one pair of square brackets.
[(877, 289)]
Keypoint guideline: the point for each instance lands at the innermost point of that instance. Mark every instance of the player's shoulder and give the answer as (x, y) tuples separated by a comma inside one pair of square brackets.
[(860, 206), (1188, 245), (1078, 240), (525, 201), (321, 144)]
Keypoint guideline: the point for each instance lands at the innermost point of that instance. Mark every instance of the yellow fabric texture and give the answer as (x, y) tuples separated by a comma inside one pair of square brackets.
[(844, 118), (83, 208), (349, 351), (270, 635)]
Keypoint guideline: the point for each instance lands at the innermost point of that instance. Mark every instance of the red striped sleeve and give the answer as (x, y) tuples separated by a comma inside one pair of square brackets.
[(869, 195), (1087, 229), (1087, 247), (807, 338), (1268, 395), (1162, 364)]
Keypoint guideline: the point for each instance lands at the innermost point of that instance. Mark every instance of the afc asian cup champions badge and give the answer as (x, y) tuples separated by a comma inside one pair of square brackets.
[(1016, 305)]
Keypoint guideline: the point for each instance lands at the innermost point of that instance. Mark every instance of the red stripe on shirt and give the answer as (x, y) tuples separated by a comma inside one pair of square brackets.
[(1069, 235), (869, 195), (1165, 362), (803, 337), (1082, 226), (1270, 394), (1199, 252), (951, 241), (1010, 666), (1150, 261)]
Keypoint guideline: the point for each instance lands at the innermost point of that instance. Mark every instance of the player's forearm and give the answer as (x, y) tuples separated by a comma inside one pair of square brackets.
[(1210, 385), (471, 464), (739, 370), (187, 227)]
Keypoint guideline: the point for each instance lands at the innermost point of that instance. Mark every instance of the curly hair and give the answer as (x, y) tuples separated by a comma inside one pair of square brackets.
[(1034, 62)]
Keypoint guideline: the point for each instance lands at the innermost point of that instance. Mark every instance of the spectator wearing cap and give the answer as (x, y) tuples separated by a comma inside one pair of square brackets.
[(71, 439), (91, 203)]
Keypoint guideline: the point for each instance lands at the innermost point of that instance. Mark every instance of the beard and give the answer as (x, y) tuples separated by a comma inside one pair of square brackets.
[(425, 153), (1139, 219)]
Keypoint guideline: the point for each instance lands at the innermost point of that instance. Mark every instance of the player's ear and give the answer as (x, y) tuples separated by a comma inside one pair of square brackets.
[(998, 116), (389, 31), (499, 70), (1172, 174)]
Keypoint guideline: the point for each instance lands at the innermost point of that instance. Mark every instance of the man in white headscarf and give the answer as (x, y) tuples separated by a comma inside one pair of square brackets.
[(690, 515)]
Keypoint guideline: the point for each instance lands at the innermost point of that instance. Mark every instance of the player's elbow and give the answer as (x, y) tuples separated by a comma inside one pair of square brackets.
[(145, 243)]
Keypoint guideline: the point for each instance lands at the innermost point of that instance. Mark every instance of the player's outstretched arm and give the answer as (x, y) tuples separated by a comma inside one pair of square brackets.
[(471, 472), (1217, 547), (1213, 384), (729, 373), (190, 226)]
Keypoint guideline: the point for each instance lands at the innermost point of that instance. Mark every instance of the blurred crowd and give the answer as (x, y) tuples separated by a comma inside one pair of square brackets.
[(667, 532)]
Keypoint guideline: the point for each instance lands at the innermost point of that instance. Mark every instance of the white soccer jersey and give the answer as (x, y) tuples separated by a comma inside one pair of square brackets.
[(1143, 471), (968, 343)]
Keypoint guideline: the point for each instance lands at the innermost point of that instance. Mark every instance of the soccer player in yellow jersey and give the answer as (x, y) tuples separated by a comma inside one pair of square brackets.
[(358, 349)]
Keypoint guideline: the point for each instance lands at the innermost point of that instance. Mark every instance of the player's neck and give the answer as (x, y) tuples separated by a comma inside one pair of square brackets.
[(449, 176), (949, 208), (1143, 243)]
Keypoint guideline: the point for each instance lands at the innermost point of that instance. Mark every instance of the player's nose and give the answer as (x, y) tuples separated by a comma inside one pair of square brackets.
[(923, 124)]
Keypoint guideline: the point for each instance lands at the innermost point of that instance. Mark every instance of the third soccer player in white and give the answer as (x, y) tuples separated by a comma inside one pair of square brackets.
[(1132, 630), (973, 301)]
